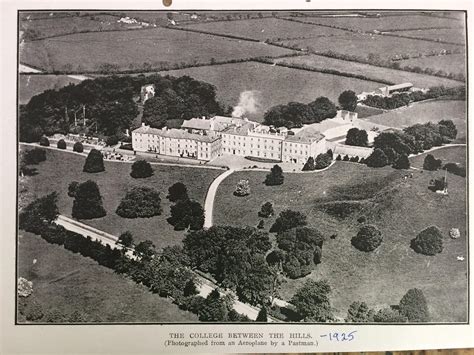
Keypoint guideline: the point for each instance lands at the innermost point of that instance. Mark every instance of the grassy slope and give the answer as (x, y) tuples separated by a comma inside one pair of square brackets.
[(423, 112), (31, 85), (455, 63), (277, 85), (137, 47), (70, 282), (382, 277), (454, 35), (396, 76), (61, 168)]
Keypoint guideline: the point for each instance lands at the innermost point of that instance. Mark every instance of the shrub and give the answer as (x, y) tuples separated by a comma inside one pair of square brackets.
[(61, 144), (346, 158), (354, 159), (94, 162), (339, 158), (341, 209), (187, 214), (359, 312), (177, 191), (309, 165), (34, 156), (455, 169), (140, 202), (402, 162), (361, 219), (428, 242), (413, 305), (323, 161), (266, 210), (388, 315), (78, 147), (88, 201), (431, 163), (288, 219), (357, 137), (368, 238), (71, 189), (141, 169), (261, 224), (275, 177), (242, 188), (377, 159), (111, 140), (44, 141)]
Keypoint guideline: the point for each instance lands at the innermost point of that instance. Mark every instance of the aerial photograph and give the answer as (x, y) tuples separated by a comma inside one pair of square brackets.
[(242, 166)]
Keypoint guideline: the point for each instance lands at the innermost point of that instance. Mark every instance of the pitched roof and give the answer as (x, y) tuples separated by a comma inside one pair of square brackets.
[(176, 133)]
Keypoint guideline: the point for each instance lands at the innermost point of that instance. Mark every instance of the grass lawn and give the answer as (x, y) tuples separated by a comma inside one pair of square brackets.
[(387, 23), (447, 155), (267, 28), (423, 112), (276, 85), (70, 282), (130, 49), (382, 277), (362, 45), (454, 63), (454, 35), (61, 168), (31, 85), (373, 72)]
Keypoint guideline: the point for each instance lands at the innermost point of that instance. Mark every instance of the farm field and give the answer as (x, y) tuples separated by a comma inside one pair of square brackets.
[(70, 282), (267, 28), (31, 85), (359, 276), (454, 63), (273, 85), (386, 23), (395, 76), (131, 49), (61, 168), (362, 45), (423, 112), (454, 35)]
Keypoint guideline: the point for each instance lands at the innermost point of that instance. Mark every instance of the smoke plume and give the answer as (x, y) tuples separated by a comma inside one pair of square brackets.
[(249, 102)]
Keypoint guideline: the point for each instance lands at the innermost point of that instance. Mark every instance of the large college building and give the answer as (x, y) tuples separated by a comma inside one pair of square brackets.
[(207, 138)]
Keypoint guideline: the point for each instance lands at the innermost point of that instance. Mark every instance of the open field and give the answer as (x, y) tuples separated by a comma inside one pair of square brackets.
[(131, 49), (447, 155), (61, 168), (277, 85), (70, 282), (31, 85), (356, 275), (386, 23), (423, 112), (395, 76), (361, 45), (267, 28), (454, 63), (454, 35)]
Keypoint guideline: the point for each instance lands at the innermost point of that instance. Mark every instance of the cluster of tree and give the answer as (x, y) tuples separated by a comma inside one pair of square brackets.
[(287, 220), (413, 307), (185, 213), (295, 114), (140, 202), (275, 177), (299, 250), (87, 200), (357, 137), (94, 162), (354, 159), (322, 161), (312, 301), (235, 257), (428, 242), (393, 148), (141, 169), (405, 98), (455, 169), (368, 238), (110, 104)]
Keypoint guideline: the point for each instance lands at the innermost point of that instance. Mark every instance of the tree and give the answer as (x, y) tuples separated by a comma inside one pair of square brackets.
[(140, 202), (94, 162), (44, 141), (377, 159), (413, 305), (368, 238), (275, 177), (126, 239), (213, 309), (78, 147), (402, 162), (190, 288), (357, 137), (358, 312), (323, 160), (448, 129), (262, 314), (145, 250), (288, 219), (348, 100), (178, 191), (88, 201), (309, 165), (242, 188), (71, 189), (312, 301), (34, 156), (42, 210), (112, 140), (61, 144), (187, 214), (388, 315), (141, 169), (322, 108), (428, 242), (431, 163), (339, 158), (266, 210)]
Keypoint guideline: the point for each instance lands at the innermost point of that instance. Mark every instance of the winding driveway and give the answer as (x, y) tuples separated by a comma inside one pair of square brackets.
[(210, 197)]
